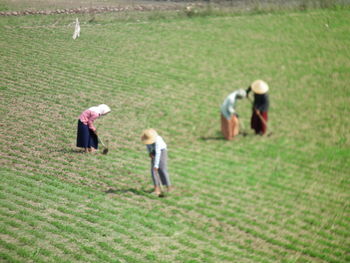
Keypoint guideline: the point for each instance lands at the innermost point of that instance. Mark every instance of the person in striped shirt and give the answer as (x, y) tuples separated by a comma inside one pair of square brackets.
[(157, 150)]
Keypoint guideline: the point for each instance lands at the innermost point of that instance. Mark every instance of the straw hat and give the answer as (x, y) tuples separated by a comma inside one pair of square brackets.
[(260, 87), (149, 136)]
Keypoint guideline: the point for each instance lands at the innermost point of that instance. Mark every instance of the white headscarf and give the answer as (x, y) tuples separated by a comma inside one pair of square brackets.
[(241, 93), (101, 109)]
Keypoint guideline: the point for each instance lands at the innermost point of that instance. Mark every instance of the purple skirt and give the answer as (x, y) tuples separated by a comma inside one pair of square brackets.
[(86, 138)]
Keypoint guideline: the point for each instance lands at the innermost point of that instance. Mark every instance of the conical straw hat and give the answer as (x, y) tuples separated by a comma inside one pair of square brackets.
[(149, 136), (260, 87)]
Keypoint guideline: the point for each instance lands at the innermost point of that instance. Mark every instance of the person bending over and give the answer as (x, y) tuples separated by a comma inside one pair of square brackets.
[(229, 116), (86, 134), (157, 150)]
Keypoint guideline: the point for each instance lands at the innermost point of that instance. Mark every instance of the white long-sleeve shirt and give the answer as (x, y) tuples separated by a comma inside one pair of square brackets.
[(156, 149), (228, 107)]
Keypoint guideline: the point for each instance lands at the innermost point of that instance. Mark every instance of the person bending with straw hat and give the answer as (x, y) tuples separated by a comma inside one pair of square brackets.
[(157, 150), (229, 116), (260, 106), (87, 134)]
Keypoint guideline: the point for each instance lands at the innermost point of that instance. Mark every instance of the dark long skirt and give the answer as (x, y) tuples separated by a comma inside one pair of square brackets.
[(86, 138), (257, 124)]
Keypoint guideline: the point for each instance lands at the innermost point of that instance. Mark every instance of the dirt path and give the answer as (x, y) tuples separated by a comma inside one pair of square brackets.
[(94, 10)]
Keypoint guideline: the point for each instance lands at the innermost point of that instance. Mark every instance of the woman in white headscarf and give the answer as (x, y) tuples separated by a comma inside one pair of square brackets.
[(87, 135), (229, 116)]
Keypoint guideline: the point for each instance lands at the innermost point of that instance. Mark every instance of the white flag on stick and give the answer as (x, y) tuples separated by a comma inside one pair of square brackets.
[(77, 29)]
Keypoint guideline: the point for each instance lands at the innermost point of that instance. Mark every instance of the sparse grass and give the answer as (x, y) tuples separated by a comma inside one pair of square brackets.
[(283, 198)]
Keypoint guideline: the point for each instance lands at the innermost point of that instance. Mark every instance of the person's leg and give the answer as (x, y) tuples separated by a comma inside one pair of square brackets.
[(231, 128), (255, 123), (263, 124), (163, 169), (226, 128), (155, 179), (93, 141), (83, 136), (235, 126), (157, 190)]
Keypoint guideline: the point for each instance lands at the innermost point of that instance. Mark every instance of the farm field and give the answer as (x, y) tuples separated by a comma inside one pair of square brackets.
[(278, 198)]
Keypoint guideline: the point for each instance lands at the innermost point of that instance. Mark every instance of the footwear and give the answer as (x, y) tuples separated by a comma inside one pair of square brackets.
[(157, 190)]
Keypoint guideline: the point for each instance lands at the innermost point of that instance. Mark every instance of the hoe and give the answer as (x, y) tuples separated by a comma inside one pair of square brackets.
[(105, 148)]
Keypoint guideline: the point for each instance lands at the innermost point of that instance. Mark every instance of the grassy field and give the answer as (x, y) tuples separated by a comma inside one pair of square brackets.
[(281, 198)]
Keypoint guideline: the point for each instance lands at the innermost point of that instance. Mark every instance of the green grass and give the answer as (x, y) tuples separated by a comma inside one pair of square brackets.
[(283, 198)]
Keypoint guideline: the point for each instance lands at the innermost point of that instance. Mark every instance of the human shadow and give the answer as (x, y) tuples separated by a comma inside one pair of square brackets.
[(212, 138), (68, 150), (219, 136), (80, 151), (141, 192)]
